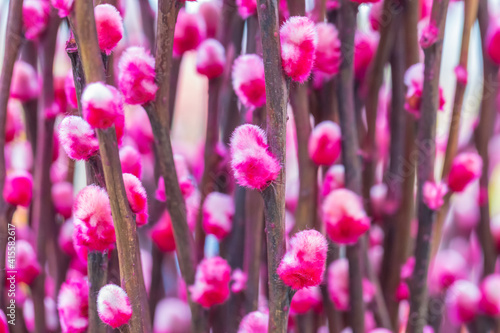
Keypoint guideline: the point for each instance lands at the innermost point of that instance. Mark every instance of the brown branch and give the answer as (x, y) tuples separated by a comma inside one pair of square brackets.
[(231, 36), (123, 219), (426, 155), (254, 224), (212, 160), (470, 14), (13, 38), (319, 10), (332, 314), (406, 174), (30, 108), (274, 195), (148, 22), (97, 269), (160, 122), (97, 262), (483, 134), (174, 80), (305, 214), (43, 211), (254, 227), (391, 266), (350, 149), (392, 9)]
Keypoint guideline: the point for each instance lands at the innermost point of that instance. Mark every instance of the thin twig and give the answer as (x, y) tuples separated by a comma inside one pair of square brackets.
[(483, 134), (231, 35), (305, 214), (426, 155), (391, 9), (470, 14), (390, 267), (212, 159), (97, 269), (254, 227), (274, 195), (29, 55), (160, 123), (43, 211), (350, 151), (148, 22), (405, 175), (13, 39), (123, 218)]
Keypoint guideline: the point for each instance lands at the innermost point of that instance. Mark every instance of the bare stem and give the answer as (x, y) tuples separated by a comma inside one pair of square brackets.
[(350, 150), (391, 267), (391, 9), (160, 122), (29, 55), (123, 218), (212, 160), (97, 269), (274, 195), (305, 214), (43, 211), (470, 14), (426, 155), (148, 22), (13, 39), (483, 134)]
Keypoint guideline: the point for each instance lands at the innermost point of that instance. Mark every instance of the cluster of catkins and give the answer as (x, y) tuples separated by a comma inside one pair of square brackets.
[(309, 50)]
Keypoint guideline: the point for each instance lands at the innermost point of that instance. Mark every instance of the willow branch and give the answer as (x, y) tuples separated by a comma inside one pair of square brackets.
[(13, 39), (212, 159), (426, 155), (160, 123), (231, 36), (305, 214), (123, 218), (43, 211), (148, 22), (406, 175), (174, 81), (392, 9), (274, 195), (97, 262), (483, 134), (391, 266), (30, 108), (350, 150), (470, 14)]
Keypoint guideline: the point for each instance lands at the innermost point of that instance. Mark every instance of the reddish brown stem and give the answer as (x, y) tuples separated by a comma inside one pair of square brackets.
[(174, 80), (391, 9), (43, 212), (160, 122), (123, 218), (305, 214), (483, 134), (148, 22), (426, 155), (231, 36), (212, 160), (470, 14), (332, 314), (13, 39), (391, 267), (254, 223), (97, 268), (350, 150), (274, 195), (97, 262), (29, 54)]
